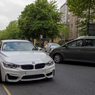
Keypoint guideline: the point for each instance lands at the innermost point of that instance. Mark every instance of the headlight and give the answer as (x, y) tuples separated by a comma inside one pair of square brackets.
[(10, 65), (50, 63)]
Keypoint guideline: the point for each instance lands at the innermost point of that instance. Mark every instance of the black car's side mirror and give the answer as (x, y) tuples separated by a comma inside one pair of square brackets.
[(66, 46)]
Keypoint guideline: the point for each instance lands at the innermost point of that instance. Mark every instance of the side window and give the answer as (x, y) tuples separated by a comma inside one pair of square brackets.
[(76, 43), (72, 44), (79, 42), (93, 42), (89, 42)]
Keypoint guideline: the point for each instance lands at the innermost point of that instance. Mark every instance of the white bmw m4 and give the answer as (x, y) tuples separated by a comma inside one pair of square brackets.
[(20, 60)]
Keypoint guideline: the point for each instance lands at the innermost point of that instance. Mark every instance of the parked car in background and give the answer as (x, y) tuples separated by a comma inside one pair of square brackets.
[(20, 60), (81, 49), (50, 46)]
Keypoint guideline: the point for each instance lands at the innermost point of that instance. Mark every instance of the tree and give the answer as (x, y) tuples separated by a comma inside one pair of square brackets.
[(80, 9), (64, 32), (3, 34), (40, 17), (12, 30)]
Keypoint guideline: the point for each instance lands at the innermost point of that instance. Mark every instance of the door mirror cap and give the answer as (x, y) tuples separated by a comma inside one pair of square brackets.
[(66, 46)]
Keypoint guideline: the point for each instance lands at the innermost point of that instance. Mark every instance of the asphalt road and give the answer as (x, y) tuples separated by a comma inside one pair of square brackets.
[(70, 79)]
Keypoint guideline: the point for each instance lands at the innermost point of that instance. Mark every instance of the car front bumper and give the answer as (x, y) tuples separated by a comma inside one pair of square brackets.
[(18, 74)]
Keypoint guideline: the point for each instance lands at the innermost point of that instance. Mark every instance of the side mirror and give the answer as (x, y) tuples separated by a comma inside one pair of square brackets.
[(66, 46), (39, 48)]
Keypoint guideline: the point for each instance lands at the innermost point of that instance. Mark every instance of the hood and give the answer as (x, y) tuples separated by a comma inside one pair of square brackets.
[(26, 56)]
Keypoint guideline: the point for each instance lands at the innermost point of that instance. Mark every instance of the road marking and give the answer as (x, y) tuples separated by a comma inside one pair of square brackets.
[(6, 89)]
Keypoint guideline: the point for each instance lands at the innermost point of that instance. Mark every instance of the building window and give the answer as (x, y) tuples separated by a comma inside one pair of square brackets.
[(71, 34), (71, 25), (72, 17), (68, 12), (68, 20)]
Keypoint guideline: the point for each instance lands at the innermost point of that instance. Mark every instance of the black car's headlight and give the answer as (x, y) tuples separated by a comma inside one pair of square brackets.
[(10, 65), (50, 63)]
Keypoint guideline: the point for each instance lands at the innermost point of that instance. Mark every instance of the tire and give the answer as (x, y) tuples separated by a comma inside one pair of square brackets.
[(57, 58)]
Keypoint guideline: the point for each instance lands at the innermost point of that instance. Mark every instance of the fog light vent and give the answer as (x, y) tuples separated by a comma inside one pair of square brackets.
[(12, 77)]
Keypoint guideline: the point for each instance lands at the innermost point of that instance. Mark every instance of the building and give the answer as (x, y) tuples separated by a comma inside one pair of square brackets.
[(63, 9), (70, 20)]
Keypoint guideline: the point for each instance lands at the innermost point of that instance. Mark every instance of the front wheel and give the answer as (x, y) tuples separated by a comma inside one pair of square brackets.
[(57, 58)]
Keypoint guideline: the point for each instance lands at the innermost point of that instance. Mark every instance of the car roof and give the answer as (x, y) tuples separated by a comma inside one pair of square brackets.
[(14, 41), (81, 37), (86, 37)]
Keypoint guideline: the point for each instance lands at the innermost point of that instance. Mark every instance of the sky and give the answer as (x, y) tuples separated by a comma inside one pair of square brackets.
[(11, 9)]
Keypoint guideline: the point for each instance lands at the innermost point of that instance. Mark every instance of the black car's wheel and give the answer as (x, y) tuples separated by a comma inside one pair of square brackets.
[(57, 58)]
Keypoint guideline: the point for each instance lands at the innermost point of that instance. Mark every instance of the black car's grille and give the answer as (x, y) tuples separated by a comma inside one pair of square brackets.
[(33, 76), (30, 67), (27, 67), (39, 66)]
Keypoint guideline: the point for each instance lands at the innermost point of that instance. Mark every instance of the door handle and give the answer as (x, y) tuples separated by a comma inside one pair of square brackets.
[(78, 49)]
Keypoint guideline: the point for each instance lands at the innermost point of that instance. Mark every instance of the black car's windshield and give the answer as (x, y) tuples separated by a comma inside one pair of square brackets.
[(18, 46)]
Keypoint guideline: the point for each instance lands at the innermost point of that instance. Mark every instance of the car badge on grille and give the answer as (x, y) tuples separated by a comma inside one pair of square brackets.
[(33, 62)]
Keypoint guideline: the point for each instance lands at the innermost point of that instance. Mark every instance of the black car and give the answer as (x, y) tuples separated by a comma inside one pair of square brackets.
[(81, 49)]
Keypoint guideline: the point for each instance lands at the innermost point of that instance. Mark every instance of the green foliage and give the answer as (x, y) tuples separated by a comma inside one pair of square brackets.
[(3, 34), (80, 9), (38, 18), (64, 31), (11, 31), (61, 42), (83, 27)]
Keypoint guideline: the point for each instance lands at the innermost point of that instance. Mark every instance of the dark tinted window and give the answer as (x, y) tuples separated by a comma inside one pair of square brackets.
[(93, 42), (89, 42)]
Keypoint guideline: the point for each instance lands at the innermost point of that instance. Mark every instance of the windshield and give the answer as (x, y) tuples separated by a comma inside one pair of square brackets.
[(54, 44), (18, 46)]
